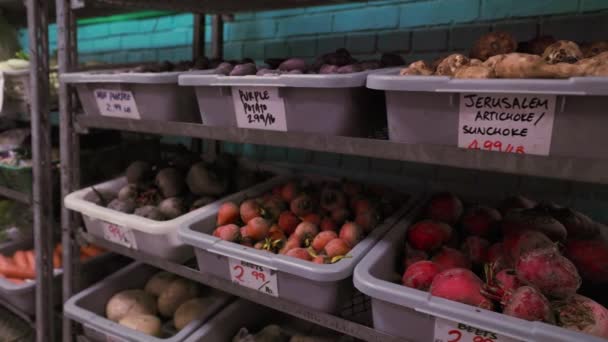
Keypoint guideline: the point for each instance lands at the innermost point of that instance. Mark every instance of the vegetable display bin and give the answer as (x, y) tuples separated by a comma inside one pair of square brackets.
[(89, 308), (429, 110), (420, 317), (145, 96), (23, 296), (17, 85), (159, 238), (245, 314), (326, 104), (321, 287)]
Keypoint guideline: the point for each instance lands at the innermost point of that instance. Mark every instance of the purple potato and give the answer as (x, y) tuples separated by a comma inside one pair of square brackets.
[(295, 72), (274, 63), (266, 71), (244, 69), (370, 65), (328, 69), (348, 69), (224, 68), (293, 64)]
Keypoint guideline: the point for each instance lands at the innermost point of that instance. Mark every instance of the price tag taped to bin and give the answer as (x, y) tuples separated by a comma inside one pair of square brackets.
[(117, 103), (120, 235), (517, 123), (450, 331), (254, 276), (259, 108)]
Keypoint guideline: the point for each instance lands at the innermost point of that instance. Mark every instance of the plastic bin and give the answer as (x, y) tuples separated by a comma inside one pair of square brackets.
[(23, 296), (416, 315), (17, 85), (327, 104), (425, 109), (89, 307), (241, 313), (321, 287), (155, 96), (159, 238)]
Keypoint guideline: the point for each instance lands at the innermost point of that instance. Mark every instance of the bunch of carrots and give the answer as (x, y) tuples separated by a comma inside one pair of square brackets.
[(22, 264)]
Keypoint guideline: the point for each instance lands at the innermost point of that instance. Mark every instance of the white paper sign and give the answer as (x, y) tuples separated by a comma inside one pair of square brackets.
[(120, 235), (516, 123), (117, 103), (260, 108), (449, 331), (253, 276)]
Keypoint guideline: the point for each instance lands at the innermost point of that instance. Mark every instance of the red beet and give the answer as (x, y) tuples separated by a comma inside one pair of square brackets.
[(590, 258), (528, 303), (319, 242), (515, 202), (273, 207), (507, 280), (518, 243), (336, 247), (494, 252), (230, 232), (582, 314), (476, 249), (537, 219), (444, 207), (288, 222), (328, 224), (554, 275), (340, 215), (312, 218), (420, 275), (305, 232), (292, 242), (368, 220), (428, 235), (352, 233), (302, 205), (448, 258), (481, 221), (577, 224), (256, 229), (300, 253), (250, 209), (461, 285), (227, 213)]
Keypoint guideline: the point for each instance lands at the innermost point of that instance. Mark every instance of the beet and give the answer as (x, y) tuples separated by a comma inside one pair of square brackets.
[(420, 275), (582, 314), (538, 219), (127, 206), (172, 207), (529, 304), (139, 172), (460, 285), (428, 235), (577, 224), (520, 242), (554, 275), (444, 207), (448, 258), (590, 258), (128, 192)]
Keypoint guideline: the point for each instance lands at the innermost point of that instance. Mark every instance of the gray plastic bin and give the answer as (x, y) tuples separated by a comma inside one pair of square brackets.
[(241, 313), (327, 104), (157, 96), (425, 109), (321, 287), (412, 314), (89, 306)]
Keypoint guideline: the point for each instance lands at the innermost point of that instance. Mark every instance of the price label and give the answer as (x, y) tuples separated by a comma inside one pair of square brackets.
[(117, 103), (254, 276), (259, 108), (506, 123), (449, 331), (120, 235)]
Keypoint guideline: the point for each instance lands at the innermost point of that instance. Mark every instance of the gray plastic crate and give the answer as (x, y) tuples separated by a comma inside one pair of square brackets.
[(412, 314), (327, 104), (23, 296), (157, 95), (88, 307), (321, 287), (241, 313), (424, 109)]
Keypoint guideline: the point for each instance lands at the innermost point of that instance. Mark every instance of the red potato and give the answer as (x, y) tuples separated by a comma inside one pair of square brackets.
[(336, 247), (428, 235), (250, 209), (368, 220), (481, 221), (554, 275), (448, 258), (476, 249), (288, 222), (518, 243), (590, 258), (580, 313), (444, 207), (319, 242), (352, 233), (300, 253), (460, 285), (256, 229), (420, 275), (289, 191), (230, 232), (227, 213), (529, 303), (328, 224), (302, 205)]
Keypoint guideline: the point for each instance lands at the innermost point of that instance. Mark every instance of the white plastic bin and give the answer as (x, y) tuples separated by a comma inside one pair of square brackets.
[(425, 109), (89, 307), (328, 104), (156, 96), (321, 287)]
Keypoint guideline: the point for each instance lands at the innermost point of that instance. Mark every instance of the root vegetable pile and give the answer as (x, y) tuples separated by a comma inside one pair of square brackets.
[(318, 222), (538, 262)]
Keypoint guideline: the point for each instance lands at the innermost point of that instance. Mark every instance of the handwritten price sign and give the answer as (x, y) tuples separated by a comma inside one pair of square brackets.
[(117, 103), (449, 331), (120, 235), (506, 123), (259, 108), (253, 276)]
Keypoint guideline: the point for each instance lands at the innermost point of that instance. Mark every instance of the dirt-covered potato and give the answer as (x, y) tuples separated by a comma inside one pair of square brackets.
[(418, 68), (178, 291), (492, 44), (562, 51), (450, 64), (159, 282), (130, 302), (147, 324), (190, 310)]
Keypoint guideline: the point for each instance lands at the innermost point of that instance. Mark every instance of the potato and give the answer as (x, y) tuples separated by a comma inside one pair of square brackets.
[(130, 302), (190, 310), (147, 324), (293, 64), (244, 69), (159, 282), (350, 68), (328, 69), (179, 291)]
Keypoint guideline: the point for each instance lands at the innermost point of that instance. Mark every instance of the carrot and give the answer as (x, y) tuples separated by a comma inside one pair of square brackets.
[(31, 260), (11, 270), (59, 249), (5, 261), (90, 251), (56, 259), (16, 280), (21, 259)]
